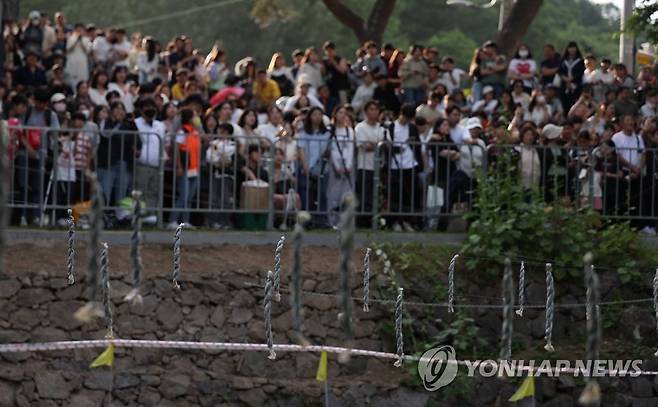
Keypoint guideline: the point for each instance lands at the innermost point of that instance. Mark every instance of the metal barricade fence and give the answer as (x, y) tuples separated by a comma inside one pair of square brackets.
[(414, 182), (599, 178), (50, 170), (420, 183)]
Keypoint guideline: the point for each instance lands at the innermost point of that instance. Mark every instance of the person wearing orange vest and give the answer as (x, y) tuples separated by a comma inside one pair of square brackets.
[(188, 168)]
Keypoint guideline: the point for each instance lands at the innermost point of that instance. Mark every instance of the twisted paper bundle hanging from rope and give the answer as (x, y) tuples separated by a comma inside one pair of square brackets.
[(399, 339), (451, 283), (550, 308), (366, 281), (508, 312), (267, 308), (70, 251), (106, 292), (277, 268), (135, 253), (176, 273), (519, 311)]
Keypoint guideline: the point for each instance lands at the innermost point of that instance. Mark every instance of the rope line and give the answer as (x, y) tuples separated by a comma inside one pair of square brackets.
[(250, 347), (445, 304)]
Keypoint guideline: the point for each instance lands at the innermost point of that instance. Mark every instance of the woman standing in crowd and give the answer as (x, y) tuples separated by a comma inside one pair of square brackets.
[(312, 70), (148, 61), (99, 88), (523, 68), (315, 144), (188, 166), (341, 174), (572, 69), (281, 74), (119, 84)]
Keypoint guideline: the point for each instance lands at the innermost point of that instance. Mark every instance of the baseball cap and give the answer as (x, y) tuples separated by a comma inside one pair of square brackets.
[(57, 97), (473, 123), (551, 131)]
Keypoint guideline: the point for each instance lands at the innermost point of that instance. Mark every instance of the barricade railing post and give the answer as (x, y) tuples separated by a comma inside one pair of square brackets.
[(270, 193)]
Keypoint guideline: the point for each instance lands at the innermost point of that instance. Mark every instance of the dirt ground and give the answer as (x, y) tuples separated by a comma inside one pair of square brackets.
[(50, 257)]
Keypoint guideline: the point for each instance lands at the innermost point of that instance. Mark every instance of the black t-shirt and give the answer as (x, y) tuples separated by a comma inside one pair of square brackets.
[(551, 63), (336, 81)]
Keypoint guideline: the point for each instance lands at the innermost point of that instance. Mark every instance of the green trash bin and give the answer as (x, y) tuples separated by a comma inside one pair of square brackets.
[(253, 221)]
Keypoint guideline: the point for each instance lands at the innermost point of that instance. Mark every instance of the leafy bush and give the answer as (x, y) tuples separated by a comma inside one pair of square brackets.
[(509, 221)]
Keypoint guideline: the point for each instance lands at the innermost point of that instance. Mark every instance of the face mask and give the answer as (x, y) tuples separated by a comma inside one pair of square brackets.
[(541, 99), (523, 53), (149, 113), (85, 112), (59, 107), (196, 122)]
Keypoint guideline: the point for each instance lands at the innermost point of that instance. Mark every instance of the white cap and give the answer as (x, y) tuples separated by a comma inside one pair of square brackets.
[(34, 15), (487, 89), (551, 131), (473, 123), (57, 97)]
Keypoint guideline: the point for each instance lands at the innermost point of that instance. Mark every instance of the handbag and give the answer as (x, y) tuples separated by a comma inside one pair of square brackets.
[(435, 197)]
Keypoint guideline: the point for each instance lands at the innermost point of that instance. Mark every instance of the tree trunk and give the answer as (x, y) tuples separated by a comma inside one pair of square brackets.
[(373, 29), (516, 25)]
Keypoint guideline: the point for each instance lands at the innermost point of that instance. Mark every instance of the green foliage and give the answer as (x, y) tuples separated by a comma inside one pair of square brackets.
[(643, 20), (454, 43), (509, 221), (463, 335)]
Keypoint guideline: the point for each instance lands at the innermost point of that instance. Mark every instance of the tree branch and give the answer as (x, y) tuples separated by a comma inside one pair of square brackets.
[(379, 15), (346, 16), (516, 25)]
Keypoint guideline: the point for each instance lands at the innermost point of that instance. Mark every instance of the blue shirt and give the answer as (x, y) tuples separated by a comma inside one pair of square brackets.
[(314, 145)]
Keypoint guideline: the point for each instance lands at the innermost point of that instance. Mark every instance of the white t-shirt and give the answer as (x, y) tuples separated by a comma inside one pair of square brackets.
[(471, 156), (268, 130), (522, 67), (124, 46), (365, 133), (458, 134), (101, 48), (452, 80), (151, 136), (405, 159), (344, 144), (629, 147), (66, 160)]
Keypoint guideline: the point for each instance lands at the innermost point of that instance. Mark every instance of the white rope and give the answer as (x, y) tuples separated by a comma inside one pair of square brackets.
[(445, 304), (267, 308), (258, 347), (366, 281), (176, 273), (399, 338)]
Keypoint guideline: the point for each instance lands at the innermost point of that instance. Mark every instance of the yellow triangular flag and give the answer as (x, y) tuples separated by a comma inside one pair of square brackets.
[(321, 375), (104, 359), (527, 389)]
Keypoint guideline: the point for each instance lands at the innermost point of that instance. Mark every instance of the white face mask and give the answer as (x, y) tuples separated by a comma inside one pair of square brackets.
[(59, 107), (541, 99), (523, 53)]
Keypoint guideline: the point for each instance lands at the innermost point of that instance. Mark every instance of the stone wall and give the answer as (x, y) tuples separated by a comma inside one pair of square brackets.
[(225, 306)]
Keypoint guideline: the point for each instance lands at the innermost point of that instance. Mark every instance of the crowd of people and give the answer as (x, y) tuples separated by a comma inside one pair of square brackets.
[(313, 125)]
